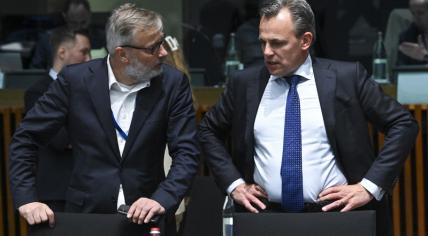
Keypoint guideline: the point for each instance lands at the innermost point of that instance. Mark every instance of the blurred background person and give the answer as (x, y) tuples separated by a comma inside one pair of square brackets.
[(414, 40), (54, 163), (77, 15), (247, 36)]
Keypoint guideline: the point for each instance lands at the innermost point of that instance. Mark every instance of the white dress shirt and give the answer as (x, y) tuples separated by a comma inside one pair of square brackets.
[(122, 100), (319, 167), (53, 74)]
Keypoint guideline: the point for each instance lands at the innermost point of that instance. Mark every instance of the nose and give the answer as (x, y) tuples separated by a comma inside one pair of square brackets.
[(88, 57), (162, 51), (267, 50)]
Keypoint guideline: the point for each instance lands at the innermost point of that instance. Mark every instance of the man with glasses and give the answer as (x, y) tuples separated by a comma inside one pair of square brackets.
[(121, 112)]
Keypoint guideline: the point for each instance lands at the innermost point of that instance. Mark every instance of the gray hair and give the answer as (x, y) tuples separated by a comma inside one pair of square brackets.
[(301, 13), (126, 21)]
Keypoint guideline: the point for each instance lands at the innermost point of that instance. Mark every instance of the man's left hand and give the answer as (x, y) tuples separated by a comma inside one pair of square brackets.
[(347, 197), (416, 51), (143, 210)]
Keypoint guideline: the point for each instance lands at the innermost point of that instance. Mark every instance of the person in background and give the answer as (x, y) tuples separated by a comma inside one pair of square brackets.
[(120, 113), (247, 36), (77, 16), (413, 42), (54, 161), (298, 128)]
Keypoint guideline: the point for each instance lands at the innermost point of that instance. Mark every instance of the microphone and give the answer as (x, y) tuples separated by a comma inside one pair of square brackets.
[(123, 209)]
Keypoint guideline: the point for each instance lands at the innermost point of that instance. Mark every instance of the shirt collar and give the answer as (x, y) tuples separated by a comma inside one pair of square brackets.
[(116, 85), (305, 70), (53, 74)]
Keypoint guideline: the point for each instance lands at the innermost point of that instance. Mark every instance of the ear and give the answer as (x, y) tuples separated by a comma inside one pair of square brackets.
[(122, 54), (62, 53), (306, 40)]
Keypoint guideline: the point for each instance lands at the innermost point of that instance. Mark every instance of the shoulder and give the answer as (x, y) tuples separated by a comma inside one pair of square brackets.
[(40, 85), (338, 67), (80, 69), (250, 74), (171, 75)]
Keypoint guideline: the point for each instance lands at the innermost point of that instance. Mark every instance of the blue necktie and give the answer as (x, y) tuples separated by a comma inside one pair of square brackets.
[(291, 166)]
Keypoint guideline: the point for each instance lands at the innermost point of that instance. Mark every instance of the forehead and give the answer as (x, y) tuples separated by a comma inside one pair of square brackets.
[(279, 25), (148, 36)]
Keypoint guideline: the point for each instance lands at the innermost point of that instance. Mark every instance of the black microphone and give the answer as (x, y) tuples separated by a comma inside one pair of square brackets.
[(123, 209)]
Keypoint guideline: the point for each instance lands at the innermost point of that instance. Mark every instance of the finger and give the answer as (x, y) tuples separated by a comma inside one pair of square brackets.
[(131, 210), (136, 215), (51, 217), (30, 220), (144, 210), (150, 214), (249, 207), (331, 196), (333, 205), (329, 191), (256, 201), (260, 191), (37, 218)]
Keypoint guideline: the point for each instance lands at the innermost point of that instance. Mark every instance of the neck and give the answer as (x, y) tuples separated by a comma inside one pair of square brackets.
[(57, 66)]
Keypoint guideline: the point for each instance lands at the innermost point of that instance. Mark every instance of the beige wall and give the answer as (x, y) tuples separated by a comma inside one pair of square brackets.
[(171, 10)]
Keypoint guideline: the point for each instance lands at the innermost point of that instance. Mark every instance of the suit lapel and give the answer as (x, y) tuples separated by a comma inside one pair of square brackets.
[(325, 79), (144, 104), (100, 95), (255, 91)]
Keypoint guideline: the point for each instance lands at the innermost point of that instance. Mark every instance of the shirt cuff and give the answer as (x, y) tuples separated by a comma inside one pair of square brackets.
[(376, 191), (234, 185)]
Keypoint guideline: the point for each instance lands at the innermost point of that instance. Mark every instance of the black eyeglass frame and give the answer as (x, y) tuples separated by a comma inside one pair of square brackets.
[(150, 50)]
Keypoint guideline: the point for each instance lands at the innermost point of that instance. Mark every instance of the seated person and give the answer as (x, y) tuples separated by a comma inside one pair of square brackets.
[(77, 15), (414, 40), (54, 162)]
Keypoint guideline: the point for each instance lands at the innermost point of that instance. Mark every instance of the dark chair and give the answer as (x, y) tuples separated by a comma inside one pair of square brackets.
[(22, 79), (10, 61), (204, 212)]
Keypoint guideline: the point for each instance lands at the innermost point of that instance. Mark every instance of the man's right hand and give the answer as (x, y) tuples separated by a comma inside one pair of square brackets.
[(247, 195), (36, 213)]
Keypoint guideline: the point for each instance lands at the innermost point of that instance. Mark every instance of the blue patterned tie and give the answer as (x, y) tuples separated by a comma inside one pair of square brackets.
[(291, 166)]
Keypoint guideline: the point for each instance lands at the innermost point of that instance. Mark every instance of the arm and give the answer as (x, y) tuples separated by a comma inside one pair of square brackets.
[(60, 142), (400, 130), (182, 145), (214, 130), (38, 126)]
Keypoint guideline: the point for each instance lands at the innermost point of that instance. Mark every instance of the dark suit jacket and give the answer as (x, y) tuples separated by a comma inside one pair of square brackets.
[(54, 163), (349, 101), (79, 100)]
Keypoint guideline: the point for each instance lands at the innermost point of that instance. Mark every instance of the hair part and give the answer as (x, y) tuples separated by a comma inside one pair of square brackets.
[(126, 21), (301, 13), (63, 35)]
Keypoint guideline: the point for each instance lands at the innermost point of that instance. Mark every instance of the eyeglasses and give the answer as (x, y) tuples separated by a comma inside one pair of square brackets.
[(151, 50)]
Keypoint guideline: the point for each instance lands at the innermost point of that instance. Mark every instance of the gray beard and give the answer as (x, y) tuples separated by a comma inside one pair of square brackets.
[(140, 72)]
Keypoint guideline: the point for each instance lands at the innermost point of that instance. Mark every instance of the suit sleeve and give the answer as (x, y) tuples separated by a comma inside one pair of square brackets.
[(61, 141), (39, 125), (392, 119), (214, 130), (182, 145)]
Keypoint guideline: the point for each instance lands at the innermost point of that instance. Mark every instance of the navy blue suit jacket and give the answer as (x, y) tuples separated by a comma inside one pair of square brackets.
[(54, 163), (349, 102), (79, 100)]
